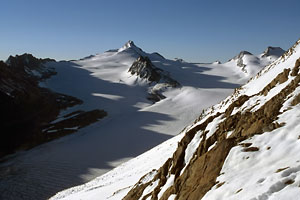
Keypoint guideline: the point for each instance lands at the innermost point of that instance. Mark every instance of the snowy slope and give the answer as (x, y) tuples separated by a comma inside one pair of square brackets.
[(118, 182), (272, 172), (255, 131), (133, 125)]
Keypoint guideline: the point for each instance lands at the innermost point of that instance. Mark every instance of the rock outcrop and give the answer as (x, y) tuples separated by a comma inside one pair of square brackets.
[(146, 70)]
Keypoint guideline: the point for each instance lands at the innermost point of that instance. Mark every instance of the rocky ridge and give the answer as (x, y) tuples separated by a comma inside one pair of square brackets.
[(146, 70), (34, 68)]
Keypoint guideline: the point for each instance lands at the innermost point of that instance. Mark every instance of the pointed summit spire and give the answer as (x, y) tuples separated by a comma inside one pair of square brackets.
[(131, 46), (127, 45)]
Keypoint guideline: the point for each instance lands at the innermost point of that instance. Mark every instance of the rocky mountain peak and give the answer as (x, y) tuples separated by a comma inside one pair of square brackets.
[(130, 43), (32, 66), (273, 51), (127, 45), (241, 55), (26, 59), (239, 59)]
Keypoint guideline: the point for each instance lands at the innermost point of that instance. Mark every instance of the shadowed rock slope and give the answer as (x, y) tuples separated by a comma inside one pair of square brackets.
[(27, 109), (201, 167)]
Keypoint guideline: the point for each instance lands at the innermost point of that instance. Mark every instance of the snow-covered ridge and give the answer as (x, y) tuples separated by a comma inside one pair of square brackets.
[(130, 45), (250, 64), (127, 45)]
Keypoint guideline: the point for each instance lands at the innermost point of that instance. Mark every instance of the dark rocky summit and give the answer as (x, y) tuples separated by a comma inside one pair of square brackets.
[(273, 51), (32, 67)]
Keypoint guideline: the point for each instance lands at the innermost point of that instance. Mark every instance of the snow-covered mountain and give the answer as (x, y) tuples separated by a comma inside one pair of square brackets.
[(245, 147), (250, 64), (117, 81), (273, 52)]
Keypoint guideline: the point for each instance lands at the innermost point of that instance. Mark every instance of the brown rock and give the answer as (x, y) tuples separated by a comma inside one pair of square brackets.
[(250, 149)]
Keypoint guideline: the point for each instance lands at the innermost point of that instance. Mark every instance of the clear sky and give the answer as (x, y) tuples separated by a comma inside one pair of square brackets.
[(195, 30)]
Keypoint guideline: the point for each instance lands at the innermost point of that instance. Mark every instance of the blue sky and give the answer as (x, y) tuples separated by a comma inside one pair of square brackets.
[(195, 30)]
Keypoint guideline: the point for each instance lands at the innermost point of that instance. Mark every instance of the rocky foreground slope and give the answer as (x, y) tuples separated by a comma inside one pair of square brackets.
[(246, 147)]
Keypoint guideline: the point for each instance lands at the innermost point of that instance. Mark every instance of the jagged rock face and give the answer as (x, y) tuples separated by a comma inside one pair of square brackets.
[(27, 109), (247, 113), (144, 69), (33, 67)]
